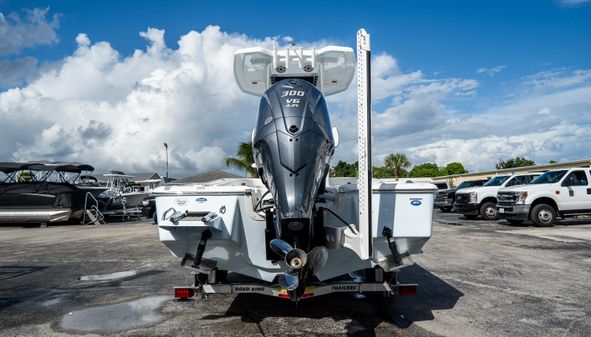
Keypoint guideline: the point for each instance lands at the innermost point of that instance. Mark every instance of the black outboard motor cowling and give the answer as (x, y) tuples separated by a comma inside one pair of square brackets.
[(292, 146)]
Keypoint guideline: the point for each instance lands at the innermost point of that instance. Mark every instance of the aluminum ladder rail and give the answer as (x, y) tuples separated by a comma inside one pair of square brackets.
[(93, 214)]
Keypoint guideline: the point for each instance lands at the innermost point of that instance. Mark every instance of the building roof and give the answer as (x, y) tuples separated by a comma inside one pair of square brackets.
[(532, 168), (205, 177), (144, 176)]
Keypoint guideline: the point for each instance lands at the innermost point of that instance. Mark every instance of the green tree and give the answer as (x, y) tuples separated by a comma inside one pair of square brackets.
[(552, 161), (454, 168), (397, 163), (382, 172), (515, 162), (344, 169), (243, 160), (425, 170)]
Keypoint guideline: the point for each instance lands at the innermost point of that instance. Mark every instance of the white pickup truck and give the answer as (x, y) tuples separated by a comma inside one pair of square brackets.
[(482, 200), (556, 193)]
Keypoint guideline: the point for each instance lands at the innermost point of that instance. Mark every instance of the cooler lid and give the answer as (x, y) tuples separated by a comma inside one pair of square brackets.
[(406, 187)]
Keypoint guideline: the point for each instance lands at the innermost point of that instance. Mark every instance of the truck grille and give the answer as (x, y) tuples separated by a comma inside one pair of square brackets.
[(462, 198), (506, 198), (441, 196)]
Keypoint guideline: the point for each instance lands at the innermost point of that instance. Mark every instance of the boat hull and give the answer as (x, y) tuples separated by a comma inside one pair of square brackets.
[(35, 215), (238, 242), (133, 199), (34, 202)]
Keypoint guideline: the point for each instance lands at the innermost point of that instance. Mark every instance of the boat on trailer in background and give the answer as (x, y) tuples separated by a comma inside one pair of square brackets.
[(120, 197)]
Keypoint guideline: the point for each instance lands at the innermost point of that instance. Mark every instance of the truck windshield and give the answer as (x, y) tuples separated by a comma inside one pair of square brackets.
[(464, 184), (549, 177), (496, 181), (441, 186)]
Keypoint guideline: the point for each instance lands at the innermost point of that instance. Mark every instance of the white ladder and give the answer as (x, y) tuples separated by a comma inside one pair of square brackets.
[(93, 216)]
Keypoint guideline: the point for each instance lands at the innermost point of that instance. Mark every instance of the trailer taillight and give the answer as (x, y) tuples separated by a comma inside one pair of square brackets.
[(183, 293), (407, 290)]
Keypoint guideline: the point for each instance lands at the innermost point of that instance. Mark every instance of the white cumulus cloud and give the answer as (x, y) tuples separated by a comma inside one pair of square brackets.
[(18, 33), (115, 111), (99, 107)]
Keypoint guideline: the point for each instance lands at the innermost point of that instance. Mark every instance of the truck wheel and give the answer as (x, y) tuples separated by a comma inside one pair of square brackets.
[(515, 222), (488, 211), (445, 209), (543, 215)]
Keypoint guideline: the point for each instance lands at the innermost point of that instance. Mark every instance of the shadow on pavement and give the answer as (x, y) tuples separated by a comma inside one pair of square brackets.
[(573, 222), (434, 294), (567, 222), (113, 220), (365, 313), (8, 272)]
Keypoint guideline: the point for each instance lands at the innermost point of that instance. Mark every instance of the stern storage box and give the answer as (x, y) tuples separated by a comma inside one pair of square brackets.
[(408, 206)]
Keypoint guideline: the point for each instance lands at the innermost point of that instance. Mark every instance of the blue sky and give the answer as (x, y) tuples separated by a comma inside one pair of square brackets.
[(456, 37), (490, 56)]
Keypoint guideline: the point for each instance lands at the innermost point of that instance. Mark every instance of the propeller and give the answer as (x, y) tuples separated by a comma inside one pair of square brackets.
[(295, 259), (297, 262), (288, 281), (317, 258)]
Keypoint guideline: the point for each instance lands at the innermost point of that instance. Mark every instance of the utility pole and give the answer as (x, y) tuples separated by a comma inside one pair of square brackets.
[(166, 149)]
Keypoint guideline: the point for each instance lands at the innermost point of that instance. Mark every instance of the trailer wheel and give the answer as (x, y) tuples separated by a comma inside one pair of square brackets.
[(543, 215), (488, 211)]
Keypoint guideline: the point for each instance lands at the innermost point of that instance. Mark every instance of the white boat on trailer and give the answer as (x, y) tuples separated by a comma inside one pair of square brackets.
[(119, 198), (294, 232)]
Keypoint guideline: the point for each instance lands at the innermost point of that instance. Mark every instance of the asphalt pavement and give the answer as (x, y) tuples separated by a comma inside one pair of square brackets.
[(476, 278)]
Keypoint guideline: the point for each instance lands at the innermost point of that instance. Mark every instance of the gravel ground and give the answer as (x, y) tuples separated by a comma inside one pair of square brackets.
[(476, 278)]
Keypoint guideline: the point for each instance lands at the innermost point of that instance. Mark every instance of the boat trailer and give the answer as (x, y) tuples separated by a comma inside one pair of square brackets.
[(216, 284)]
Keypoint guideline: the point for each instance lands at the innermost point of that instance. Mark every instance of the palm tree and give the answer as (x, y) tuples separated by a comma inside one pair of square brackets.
[(243, 160), (397, 162)]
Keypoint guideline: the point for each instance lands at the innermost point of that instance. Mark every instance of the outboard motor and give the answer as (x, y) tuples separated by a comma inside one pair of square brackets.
[(292, 146)]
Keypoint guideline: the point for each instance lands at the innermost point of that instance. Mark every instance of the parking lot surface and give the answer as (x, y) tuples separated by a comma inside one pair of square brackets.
[(476, 278)]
